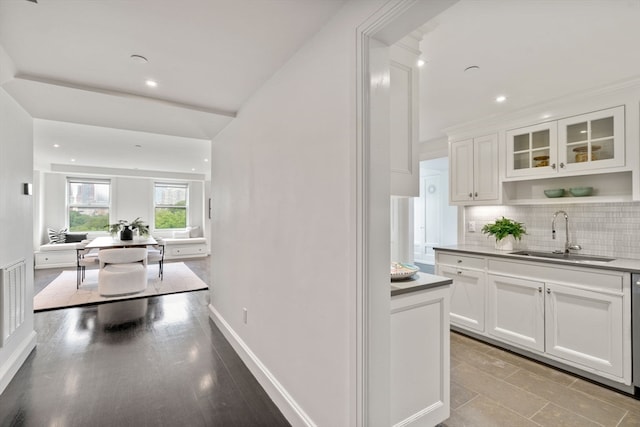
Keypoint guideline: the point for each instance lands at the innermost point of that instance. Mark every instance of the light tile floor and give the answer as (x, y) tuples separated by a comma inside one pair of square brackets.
[(492, 387)]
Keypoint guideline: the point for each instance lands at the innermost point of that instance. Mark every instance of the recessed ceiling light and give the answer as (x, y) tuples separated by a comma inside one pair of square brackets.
[(139, 59), (73, 160), (545, 116), (151, 83), (421, 62), (501, 98), (56, 145), (192, 169), (206, 160)]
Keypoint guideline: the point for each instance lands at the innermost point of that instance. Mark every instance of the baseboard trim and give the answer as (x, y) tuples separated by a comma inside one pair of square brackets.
[(15, 361), (282, 399)]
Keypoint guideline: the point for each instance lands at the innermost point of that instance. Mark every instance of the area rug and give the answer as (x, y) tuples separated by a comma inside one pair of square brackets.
[(62, 292)]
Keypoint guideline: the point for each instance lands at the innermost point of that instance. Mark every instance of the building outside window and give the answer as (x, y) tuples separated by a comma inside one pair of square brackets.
[(88, 202), (171, 207)]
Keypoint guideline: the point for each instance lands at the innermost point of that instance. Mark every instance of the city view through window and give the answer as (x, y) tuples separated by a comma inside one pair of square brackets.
[(88, 205), (170, 206)]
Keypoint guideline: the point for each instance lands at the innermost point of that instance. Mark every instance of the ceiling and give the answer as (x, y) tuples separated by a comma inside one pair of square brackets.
[(74, 73), (73, 64), (530, 51)]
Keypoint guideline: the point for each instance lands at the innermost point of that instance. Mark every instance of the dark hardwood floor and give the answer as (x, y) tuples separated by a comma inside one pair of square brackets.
[(149, 362)]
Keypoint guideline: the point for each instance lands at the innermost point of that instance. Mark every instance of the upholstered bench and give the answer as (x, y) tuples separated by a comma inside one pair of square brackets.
[(188, 247), (55, 255), (60, 251)]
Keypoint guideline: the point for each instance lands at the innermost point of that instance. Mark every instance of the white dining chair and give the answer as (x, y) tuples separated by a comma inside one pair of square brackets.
[(84, 258), (122, 271), (156, 254)]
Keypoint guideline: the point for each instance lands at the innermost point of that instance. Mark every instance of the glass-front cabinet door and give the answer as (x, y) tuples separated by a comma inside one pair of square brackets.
[(594, 140), (532, 150)]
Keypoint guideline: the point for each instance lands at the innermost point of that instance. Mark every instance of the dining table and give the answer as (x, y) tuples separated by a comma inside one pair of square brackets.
[(107, 242)]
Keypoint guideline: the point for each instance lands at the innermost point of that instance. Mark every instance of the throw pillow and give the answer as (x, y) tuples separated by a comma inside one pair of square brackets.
[(181, 234), (195, 231), (75, 237), (56, 236)]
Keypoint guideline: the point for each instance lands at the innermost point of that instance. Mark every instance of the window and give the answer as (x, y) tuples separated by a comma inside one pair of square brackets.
[(170, 206), (88, 204)]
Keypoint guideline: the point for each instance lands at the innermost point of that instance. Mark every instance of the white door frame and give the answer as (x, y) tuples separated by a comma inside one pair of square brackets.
[(389, 24)]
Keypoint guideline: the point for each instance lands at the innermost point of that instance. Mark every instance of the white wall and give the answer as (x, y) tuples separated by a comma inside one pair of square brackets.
[(16, 210), (283, 185), (132, 197)]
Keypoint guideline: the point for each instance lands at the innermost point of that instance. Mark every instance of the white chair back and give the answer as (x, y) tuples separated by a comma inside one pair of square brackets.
[(122, 256)]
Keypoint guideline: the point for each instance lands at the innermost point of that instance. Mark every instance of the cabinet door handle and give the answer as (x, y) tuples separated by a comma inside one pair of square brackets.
[(470, 195), (562, 165), (475, 194), (548, 291), (459, 261), (459, 273), (540, 289), (553, 165)]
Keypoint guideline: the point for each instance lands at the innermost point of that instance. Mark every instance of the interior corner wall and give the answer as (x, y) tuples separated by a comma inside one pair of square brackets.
[(16, 224), (283, 229), (433, 148)]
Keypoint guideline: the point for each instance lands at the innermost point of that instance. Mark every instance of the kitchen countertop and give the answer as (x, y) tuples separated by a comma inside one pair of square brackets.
[(418, 282), (618, 264)]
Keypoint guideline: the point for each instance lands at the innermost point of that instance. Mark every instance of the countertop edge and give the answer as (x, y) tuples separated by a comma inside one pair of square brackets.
[(419, 282), (626, 265)]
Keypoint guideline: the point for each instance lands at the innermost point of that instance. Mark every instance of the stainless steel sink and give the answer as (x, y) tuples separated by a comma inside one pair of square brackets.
[(562, 256)]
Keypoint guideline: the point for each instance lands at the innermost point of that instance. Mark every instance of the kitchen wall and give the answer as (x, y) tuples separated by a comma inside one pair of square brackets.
[(132, 197), (608, 229)]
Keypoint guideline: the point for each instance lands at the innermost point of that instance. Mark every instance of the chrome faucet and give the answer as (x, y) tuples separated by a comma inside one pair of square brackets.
[(567, 245)]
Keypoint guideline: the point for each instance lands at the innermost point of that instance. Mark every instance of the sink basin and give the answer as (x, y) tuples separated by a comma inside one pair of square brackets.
[(562, 256)]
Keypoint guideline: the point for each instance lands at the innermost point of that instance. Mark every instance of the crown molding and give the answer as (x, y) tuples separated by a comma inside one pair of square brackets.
[(121, 94)]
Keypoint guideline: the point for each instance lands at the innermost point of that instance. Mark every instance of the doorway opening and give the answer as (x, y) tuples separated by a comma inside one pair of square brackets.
[(435, 222)]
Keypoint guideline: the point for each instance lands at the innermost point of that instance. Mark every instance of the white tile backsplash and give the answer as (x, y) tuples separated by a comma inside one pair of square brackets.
[(607, 229)]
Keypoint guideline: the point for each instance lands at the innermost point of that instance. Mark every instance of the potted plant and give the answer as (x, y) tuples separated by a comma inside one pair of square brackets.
[(505, 231), (125, 228)]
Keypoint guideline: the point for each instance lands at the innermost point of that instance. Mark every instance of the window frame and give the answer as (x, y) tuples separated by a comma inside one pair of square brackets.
[(156, 205), (68, 205)]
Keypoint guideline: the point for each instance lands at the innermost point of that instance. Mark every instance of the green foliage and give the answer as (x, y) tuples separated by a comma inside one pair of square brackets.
[(171, 218), (504, 227), (82, 222), (137, 223)]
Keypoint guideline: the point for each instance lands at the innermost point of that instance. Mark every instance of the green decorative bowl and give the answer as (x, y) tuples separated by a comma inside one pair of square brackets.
[(556, 192), (581, 191)]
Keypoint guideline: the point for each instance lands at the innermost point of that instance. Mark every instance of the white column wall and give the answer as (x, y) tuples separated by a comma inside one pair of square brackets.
[(283, 230), (16, 212)]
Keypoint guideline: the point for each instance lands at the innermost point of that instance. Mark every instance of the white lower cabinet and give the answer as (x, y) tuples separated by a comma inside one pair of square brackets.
[(419, 358), (585, 327), (579, 317), (467, 296), (515, 310), (570, 314)]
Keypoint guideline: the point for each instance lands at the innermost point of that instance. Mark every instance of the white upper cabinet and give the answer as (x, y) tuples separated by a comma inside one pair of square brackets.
[(579, 143), (474, 175), (403, 128), (532, 150), (594, 140)]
